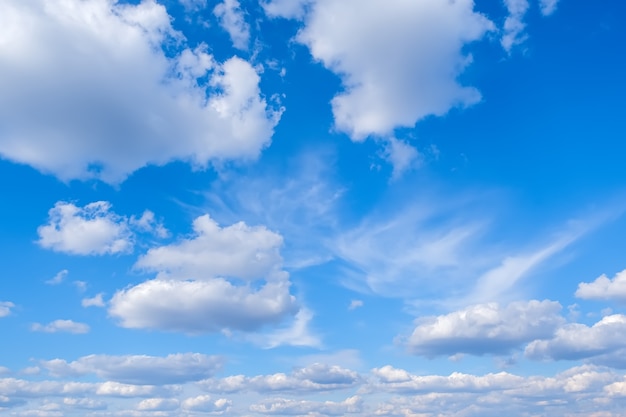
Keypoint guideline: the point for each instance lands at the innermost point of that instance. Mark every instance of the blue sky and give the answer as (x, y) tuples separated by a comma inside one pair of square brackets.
[(312, 208)]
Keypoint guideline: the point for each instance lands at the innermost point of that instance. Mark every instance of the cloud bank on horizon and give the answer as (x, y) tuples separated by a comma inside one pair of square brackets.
[(312, 208)]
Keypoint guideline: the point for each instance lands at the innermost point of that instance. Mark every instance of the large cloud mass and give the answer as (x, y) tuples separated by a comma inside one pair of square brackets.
[(398, 60), (88, 91)]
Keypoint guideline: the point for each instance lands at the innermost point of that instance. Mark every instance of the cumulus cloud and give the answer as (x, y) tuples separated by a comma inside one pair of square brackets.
[(5, 308), (398, 61), (139, 369), (513, 31), (204, 404), (61, 326), (401, 156), (400, 381), (282, 406), (95, 301), (109, 100), (313, 378), (231, 19), (354, 304), (548, 6), (604, 288), (158, 404), (58, 278), (603, 343), (285, 8), (90, 230), (219, 278), (241, 251), (41, 389), (485, 328)]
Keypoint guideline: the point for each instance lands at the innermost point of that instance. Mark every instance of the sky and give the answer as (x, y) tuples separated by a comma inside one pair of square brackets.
[(312, 208)]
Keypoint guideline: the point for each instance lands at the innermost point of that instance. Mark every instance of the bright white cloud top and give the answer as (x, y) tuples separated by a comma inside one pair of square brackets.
[(312, 208)]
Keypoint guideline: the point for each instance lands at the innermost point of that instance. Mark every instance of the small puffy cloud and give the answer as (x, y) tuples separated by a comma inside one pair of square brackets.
[(231, 19), (313, 378), (193, 5), (398, 61), (95, 301), (5, 308), (58, 278), (241, 251), (282, 406), (90, 230), (158, 404), (603, 343), (201, 306), (401, 156), (354, 304), (548, 6), (204, 404), (513, 31), (139, 369), (147, 223), (395, 380), (108, 97), (296, 333), (285, 8), (116, 389), (61, 326), (604, 288), (220, 278), (84, 403), (485, 328)]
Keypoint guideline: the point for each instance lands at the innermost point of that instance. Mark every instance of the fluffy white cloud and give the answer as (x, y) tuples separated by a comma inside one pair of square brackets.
[(400, 381), (90, 230), (58, 278), (354, 304), (285, 8), (603, 343), (604, 288), (109, 100), (61, 326), (398, 60), (282, 406), (32, 389), (513, 31), (5, 308), (241, 251), (201, 306), (314, 378), (232, 20), (485, 328), (204, 404), (199, 283), (139, 369), (158, 404), (401, 156), (95, 301), (548, 6)]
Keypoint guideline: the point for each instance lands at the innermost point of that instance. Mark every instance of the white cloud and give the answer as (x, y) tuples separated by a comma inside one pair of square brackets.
[(485, 328), (95, 301), (231, 19), (398, 60), (241, 251), (193, 5), (201, 306), (158, 404), (513, 31), (204, 404), (296, 333), (5, 308), (32, 389), (354, 304), (316, 377), (603, 343), (63, 326), (548, 6), (58, 278), (148, 223), (401, 156), (96, 75), (285, 8), (139, 369), (395, 380), (84, 403), (604, 288), (282, 406), (90, 230)]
